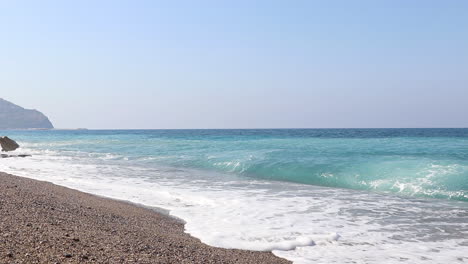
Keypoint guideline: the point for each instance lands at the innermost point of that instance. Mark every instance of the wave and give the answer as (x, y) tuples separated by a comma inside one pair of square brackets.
[(407, 176), (402, 169)]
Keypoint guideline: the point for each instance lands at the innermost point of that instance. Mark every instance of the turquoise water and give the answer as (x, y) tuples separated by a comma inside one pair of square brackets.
[(307, 195), (416, 162)]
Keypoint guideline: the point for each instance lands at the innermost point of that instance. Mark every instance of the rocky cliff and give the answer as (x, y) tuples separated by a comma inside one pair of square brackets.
[(16, 117)]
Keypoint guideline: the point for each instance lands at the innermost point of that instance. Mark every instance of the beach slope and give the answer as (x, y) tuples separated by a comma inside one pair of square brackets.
[(44, 223)]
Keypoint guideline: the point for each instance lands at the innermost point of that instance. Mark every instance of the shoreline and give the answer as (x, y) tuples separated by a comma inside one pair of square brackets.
[(41, 222)]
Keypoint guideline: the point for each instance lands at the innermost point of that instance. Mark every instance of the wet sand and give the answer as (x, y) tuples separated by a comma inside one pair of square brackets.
[(44, 223)]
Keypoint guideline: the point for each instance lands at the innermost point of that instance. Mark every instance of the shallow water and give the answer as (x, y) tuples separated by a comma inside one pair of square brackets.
[(321, 196)]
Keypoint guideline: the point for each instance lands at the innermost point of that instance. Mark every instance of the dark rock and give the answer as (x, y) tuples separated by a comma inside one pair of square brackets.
[(8, 144), (14, 156), (68, 255)]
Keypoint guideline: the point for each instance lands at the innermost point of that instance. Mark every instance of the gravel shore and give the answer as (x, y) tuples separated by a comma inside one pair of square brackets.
[(44, 223)]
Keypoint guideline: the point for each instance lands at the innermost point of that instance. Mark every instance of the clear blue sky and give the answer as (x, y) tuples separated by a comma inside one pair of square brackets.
[(237, 64)]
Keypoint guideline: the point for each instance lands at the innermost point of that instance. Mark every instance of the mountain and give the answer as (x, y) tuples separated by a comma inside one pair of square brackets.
[(16, 117)]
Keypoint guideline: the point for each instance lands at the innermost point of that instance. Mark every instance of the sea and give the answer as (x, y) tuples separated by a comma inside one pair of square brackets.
[(307, 195)]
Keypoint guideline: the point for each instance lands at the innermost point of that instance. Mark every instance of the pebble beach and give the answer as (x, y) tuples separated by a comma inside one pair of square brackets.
[(44, 223)]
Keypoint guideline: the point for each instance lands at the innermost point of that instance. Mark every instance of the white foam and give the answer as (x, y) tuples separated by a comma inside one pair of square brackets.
[(305, 224)]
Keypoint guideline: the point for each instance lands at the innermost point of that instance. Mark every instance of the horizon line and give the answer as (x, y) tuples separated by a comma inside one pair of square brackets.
[(260, 128)]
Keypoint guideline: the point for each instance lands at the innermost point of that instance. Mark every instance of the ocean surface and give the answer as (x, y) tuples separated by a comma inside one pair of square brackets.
[(308, 195)]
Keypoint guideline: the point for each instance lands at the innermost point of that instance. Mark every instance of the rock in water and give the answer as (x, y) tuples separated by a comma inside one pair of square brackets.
[(3, 156), (16, 117), (8, 144)]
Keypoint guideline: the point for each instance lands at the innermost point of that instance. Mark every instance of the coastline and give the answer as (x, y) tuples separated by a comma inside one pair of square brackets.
[(41, 222)]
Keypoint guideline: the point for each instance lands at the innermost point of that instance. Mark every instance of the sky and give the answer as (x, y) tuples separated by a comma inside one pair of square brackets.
[(237, 64)]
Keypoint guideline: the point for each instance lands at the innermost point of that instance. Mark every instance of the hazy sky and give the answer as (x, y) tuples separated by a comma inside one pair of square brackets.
[(237, 64)]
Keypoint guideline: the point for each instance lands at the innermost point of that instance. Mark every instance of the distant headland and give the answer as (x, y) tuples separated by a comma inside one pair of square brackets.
[(16, 117)]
